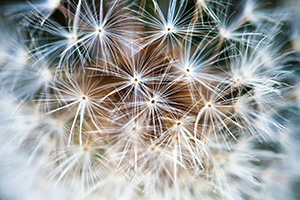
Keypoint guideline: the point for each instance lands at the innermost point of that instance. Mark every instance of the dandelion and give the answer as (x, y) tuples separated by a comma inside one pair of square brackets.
[(177, 99)]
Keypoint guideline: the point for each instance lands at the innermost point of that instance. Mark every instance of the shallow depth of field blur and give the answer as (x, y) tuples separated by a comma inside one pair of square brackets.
[(150, 99)]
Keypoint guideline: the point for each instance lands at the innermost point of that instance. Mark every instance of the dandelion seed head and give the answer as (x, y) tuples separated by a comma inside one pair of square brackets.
[(157, 100)]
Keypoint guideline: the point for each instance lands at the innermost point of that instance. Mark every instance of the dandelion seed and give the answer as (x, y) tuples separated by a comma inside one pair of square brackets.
[(71, 94), (104, 31), (79, 163), (170, 29)]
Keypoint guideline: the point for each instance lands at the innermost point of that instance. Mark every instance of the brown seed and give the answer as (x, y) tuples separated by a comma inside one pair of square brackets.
[(85, 148), (152, 148)]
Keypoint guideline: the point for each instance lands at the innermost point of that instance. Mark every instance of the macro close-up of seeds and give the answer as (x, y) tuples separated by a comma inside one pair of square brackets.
[(150, 99)]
